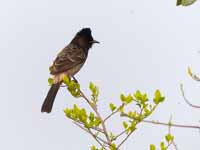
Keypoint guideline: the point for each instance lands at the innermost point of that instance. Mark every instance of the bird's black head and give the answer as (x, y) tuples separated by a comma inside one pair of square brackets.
[(84, 38)]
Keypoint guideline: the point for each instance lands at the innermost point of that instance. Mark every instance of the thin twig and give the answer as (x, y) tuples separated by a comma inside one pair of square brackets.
[(141, 110), (186, 100), (94, 128), (175, 146), (95, 137), (169, 131), (93, 106), (108, 142), (99, 116), (169, 145), (97, 140), (125, 139), (114, 112), (171, 124), (120, 134), (167, 124)]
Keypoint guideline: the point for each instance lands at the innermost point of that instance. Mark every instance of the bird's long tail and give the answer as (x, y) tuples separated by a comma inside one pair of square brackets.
[(49, 100)]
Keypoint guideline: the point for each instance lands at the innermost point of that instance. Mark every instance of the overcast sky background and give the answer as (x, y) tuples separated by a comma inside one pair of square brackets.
[(145, 45)]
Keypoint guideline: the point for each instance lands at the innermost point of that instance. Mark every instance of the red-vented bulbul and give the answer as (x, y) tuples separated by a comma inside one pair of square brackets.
[(67, 63)]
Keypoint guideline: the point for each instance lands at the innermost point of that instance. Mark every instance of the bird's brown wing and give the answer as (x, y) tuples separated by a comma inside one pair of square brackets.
[(69, 57)]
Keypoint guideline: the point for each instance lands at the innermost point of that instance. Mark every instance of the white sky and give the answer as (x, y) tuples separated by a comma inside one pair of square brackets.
[(144, 45)]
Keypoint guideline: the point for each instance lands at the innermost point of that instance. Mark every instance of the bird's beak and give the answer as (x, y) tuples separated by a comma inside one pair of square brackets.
[(94, 41)]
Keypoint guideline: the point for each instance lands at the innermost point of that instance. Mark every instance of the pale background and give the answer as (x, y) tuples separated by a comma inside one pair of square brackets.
[(145, 44)]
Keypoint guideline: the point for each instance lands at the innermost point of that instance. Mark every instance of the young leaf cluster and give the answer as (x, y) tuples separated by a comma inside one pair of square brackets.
[(72, 86), (95, 92), (164, 145), (95, 124), (95, 148), (80, 115), (145, 108)]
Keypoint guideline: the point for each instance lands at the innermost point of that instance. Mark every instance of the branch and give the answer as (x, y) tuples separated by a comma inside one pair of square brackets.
[(94, 128), (167, 124), (120, 134), (171, 124), (130, 132), (169, 144), (169, 132), (185, 99), (175, 146), (98, 115), (93, 106), (93, 135), (105, 141), (114, 112), (125, 139)]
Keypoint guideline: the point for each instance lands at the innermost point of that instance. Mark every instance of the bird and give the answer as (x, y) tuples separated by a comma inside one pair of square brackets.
[(67, 63)]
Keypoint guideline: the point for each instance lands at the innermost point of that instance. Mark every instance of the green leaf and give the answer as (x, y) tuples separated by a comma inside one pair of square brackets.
[(169, 138), (75, 107), (123, 98), (126, 99), (112, 136), (158, 98), (97, 122), (66, 80), (162, 146), (157, 94), (147, 112), (67, 112), (91, 116), (125, 125), (138, 95), (50, 81), (121, 109), (185, 2), (91, 86), (144, 98), (112, 107), (190, 72), (82, 115), (95, 91), (179, 2), (113, 146), (133, 114), (152, 147), (93, 148), (140, 98), (129, 99), (132, 126), (72, 86)]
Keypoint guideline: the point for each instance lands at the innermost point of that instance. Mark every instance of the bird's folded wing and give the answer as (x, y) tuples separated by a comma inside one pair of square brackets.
[(69, 57)]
